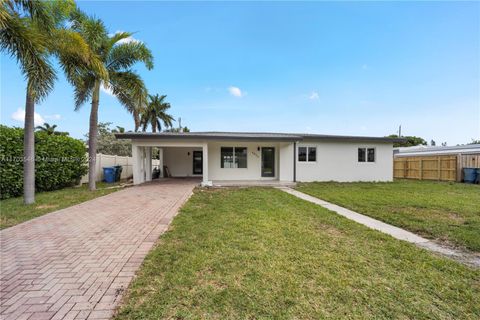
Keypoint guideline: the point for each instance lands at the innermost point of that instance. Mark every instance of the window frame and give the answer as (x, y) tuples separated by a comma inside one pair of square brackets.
[(365, 150), (234, 156), (307, 150)]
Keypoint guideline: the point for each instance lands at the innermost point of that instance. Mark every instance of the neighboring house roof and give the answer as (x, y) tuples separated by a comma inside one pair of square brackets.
[(249, 136), (425, 150)]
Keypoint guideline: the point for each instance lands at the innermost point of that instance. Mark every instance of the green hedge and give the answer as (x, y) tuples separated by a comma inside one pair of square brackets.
[(60, 161)]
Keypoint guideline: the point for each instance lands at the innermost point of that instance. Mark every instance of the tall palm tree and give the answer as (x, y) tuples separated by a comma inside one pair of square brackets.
[(117, 56), (155, 113), (31, 32), (25, 36)]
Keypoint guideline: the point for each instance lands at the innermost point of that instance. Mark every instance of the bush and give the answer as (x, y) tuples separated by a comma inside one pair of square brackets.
[(60, 161)]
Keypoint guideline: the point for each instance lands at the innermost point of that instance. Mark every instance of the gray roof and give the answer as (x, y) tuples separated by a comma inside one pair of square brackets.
[(312, 136), (267, 136), (468, 148)]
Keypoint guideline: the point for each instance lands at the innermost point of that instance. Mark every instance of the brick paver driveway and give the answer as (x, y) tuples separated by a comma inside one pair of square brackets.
[(76, 262)]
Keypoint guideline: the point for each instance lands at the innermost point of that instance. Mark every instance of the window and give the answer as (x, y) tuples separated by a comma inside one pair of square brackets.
[(312, 154), (233, 157), (302, 154), (361, 154), (307, 154), (366, 154), (371, 155), (240, 157), (226, 157)]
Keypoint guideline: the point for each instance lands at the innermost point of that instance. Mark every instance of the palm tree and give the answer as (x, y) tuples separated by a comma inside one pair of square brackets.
[(117, 56), (155, 113), (49, 129), (136, 112), (24, 37), (31, 32), (119, 130)]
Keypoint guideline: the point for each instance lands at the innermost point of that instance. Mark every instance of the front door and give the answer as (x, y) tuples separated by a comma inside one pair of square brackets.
[(197, 162), (268, 162)]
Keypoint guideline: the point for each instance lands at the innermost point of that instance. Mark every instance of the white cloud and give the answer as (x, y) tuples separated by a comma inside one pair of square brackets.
[(19, 116), (314, 96), (235, 91), (53, 116)]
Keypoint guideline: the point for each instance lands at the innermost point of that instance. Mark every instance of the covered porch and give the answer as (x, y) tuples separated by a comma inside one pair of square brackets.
[(175, 160)]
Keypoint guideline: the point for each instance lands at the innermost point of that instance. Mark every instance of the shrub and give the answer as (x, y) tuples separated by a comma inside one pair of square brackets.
[(60, 161)]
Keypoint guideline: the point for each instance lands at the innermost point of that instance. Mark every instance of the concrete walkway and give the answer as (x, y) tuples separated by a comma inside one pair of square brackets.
[(398, 233), (76, 262)]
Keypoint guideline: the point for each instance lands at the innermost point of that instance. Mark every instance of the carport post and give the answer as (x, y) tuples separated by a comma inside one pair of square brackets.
[(205, 181), (160, 162), (137, 155), (148, 163)]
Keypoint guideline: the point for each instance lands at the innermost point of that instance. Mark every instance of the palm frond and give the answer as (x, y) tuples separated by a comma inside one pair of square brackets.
[(92, 30), (36, 10), (23, 40), (59, 10), (83, 88), (118, 37), (125, 55), (129, 89), (76, 56)]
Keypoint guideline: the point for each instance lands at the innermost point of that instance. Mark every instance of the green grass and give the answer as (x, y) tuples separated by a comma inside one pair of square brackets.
[(448, 212), (260, 253), (13, 211)]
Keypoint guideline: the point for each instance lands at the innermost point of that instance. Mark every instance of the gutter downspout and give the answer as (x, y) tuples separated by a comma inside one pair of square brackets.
[(295, 162)]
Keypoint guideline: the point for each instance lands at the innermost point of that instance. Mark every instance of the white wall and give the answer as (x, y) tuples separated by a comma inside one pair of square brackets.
[(338, 161), (105, 160), (179, 161), (286, 162), (253, 170)]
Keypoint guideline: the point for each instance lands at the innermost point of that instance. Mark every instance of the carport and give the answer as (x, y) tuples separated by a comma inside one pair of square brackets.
[(182, 158)]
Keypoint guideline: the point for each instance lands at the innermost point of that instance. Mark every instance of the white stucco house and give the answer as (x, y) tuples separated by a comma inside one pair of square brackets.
[(219, 157)]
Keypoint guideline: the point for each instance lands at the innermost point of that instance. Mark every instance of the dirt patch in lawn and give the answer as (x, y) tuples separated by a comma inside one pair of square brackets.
[(47, 206)]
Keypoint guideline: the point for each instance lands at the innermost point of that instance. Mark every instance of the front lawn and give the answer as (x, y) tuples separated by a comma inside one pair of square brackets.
[(260, 253), (448, 212), (13, 211)]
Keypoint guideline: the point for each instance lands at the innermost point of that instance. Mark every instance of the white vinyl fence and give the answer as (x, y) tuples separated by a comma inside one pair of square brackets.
[(105, 160)]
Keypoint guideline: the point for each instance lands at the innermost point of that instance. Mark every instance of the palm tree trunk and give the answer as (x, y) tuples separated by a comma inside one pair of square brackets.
[(29, 151), (154, 126), (92, 138), (136, 119)]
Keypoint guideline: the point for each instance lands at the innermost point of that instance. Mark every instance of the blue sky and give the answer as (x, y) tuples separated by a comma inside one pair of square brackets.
[(334, 68)]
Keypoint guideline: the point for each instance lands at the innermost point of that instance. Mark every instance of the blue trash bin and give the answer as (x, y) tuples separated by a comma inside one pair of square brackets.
[(478, 176), (118, 172), (109, 174), (469, 175)]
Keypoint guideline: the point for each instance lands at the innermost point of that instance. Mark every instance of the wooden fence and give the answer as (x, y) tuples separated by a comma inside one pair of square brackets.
[(443, 167), (470, 160)]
